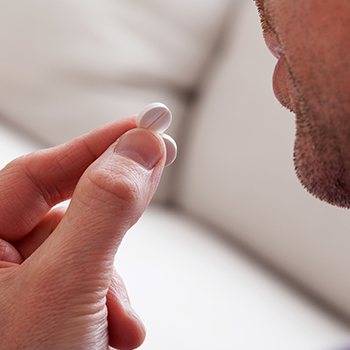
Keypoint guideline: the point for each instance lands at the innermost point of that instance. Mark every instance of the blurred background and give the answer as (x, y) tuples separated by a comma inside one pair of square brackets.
[(233, 254)]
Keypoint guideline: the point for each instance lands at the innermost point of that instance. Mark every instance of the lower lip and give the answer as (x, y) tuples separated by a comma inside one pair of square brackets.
[(282, 84)]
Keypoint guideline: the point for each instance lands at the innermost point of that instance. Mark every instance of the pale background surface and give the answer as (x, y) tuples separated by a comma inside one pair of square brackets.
[(68, 66)]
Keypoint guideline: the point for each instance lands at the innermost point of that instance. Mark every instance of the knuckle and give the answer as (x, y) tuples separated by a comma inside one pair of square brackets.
[(15, 165), (22, 161), (28, 170), (118, 189)]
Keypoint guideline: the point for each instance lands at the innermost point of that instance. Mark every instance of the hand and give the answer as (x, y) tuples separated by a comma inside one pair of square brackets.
[(58, 289)]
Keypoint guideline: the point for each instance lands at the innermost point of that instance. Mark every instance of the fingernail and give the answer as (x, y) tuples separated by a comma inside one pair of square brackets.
[(142, 146)]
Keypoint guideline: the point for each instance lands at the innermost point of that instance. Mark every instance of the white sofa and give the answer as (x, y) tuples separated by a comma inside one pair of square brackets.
[(234, 254)]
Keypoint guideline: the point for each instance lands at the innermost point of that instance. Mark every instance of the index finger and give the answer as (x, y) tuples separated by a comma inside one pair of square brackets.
[(31, 185)]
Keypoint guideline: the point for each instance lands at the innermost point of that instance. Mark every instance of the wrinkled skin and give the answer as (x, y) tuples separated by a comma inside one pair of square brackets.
[(58, 286), (311, 38)]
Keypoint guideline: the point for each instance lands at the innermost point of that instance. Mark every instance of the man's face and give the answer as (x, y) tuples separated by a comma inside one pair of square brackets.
[(311, 38)]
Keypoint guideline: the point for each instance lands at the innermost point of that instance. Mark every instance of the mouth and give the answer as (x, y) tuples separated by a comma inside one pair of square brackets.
[(270, 34), (281, 78), (273, 44), (283, 84)]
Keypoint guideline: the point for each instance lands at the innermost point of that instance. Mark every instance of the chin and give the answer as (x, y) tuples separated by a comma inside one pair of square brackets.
[(322, 173), (322, 145)]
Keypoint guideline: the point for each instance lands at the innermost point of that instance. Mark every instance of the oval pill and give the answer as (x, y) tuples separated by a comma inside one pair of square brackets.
[(156, 117), (171, 149)]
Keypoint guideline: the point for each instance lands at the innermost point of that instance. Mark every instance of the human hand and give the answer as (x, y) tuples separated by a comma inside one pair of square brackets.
[(58, 289)]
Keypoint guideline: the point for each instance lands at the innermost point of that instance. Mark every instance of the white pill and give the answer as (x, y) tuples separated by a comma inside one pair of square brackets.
[(171, 149), (156, 117)]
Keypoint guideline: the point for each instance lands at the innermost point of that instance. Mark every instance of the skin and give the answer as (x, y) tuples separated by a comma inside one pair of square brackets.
[(311, 38), (58, 286), (56, 266)]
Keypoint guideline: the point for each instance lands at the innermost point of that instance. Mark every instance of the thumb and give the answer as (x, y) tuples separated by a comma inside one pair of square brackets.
[(109, 198)]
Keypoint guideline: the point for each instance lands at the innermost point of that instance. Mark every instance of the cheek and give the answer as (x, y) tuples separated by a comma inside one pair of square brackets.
[(315, 36)]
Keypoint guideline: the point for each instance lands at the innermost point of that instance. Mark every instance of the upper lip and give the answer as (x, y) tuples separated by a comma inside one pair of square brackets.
[(270, 35), (273, 43)]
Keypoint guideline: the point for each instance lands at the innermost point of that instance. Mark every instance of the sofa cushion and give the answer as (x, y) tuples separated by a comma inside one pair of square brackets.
[(195, 291), (237, 172), (68, 66)]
